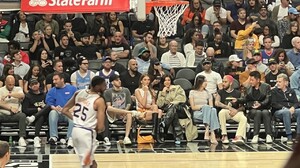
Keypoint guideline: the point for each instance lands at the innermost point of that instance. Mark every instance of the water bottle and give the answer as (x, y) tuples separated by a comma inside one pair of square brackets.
[(10, 140)]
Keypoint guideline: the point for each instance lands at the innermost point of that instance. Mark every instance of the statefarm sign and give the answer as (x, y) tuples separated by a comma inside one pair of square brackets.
[(74, 6)]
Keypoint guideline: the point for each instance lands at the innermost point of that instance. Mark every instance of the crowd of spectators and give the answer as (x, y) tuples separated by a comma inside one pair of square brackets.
[(260, 41)]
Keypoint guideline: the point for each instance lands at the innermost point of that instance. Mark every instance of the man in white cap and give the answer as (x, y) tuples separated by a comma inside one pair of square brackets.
[(234, 67)]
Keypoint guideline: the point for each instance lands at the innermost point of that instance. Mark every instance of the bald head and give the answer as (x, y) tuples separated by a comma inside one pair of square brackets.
[(210, 52), (10, 82), (132, 65)]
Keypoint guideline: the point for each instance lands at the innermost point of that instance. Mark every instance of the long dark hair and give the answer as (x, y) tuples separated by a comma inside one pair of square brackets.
[(188, 36), (39, 53), (199, 82), (278, 52), (152, 71), (28, 76), (197, 14), (162, 80), (149, 87), (6, 68)]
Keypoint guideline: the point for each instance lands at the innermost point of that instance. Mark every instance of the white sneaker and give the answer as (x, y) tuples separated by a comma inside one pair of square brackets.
[(126, 141), (106, 142), (70, 143), (52, 141), (135, 113), (63, 141), (269, 139), (37, 142), (22, 142), (30, 119), (255, 139)]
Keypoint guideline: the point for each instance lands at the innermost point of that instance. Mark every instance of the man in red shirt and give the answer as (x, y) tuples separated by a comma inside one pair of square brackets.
[(14, 45)]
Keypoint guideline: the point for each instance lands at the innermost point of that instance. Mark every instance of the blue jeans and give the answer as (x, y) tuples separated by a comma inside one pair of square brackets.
[(209, 116), (54, 118), (285, 116)]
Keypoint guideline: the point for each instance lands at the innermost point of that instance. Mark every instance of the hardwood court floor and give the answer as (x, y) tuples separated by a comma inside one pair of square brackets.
[(178, 160)]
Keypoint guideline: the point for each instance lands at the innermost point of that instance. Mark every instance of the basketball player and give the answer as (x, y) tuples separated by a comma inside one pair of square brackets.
[(88, 117)]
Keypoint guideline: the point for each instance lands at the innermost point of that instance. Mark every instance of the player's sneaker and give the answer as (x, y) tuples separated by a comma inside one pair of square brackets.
[(106, 142), (22, 142), (126, 141), (37, 142), (70, 143), (52, 140)]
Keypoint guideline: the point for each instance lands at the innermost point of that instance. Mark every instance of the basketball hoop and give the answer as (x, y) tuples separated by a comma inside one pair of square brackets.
[(168, 13)]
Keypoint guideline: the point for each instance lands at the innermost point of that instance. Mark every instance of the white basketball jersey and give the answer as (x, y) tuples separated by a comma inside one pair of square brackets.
[(84, 114)]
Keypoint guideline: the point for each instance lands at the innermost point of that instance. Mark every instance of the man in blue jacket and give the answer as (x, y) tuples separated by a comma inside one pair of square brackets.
[(294, 82), (57, 97)]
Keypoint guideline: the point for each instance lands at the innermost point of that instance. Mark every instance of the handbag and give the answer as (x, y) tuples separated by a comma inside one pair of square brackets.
[(144, 139)]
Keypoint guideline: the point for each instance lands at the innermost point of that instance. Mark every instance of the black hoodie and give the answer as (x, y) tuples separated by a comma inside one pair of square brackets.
[(32, 101)]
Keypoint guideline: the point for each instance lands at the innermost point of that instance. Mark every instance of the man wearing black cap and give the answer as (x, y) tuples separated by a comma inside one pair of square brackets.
[(82, 77), (215, 13), (35, 108), (107, 72), (274, 72), (87, 49), (214, 79), (259, 65), (118, 101), (263, 19), (143, 61), (245, 76)]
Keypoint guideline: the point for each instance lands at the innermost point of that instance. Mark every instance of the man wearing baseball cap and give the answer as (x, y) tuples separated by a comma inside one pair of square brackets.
[(251, 66), (271, 77), (234, 67), (107, 72), (215, 13), (263, 19), (82, 77), (284, 24)]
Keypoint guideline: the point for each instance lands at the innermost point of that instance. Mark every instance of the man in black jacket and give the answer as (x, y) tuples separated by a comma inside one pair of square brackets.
[(35, 108), (257, 100), (285, 105)]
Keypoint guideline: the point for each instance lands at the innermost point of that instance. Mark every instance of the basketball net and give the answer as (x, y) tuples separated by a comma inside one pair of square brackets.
[(168, 17)]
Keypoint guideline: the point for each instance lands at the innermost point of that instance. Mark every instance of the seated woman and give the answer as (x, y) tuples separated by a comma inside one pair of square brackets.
[(201, 102), (290, 34), (35, 72), (162, 46), (197, 24), (21, 28), (8, 69), (145, 104), (267, 32), (171, 95), (45, 61), (283, 60), (155, 73)]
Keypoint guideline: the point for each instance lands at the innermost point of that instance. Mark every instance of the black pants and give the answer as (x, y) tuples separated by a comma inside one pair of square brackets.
[(40, 118), (258, 116), (171, 119), (20, 118)]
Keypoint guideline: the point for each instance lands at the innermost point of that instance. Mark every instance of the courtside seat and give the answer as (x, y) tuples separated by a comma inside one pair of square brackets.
[(278, 126)]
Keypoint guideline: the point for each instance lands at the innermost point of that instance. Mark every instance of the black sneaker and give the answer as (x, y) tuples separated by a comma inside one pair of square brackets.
[(52, 141)]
